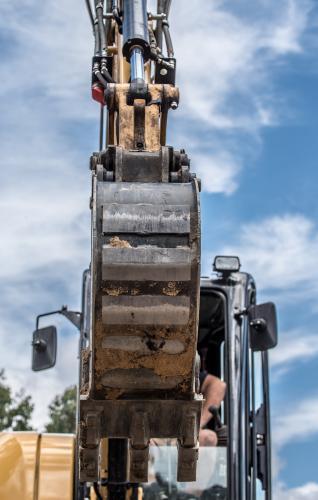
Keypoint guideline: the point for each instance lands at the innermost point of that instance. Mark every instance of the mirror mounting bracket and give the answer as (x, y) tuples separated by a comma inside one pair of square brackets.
[(240, 313), (73, 316)]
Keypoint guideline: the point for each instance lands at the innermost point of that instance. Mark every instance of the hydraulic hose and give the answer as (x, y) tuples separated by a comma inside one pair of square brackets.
[(102, 77), (160, 10), (97, 492), (105, 73), (115, 12), (90, 12), (167, 7), (97, 39), (101, 72), (99, 7), (166, 31)]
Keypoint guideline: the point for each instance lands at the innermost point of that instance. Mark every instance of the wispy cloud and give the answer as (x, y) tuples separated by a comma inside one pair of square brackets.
[(294, 347), (308, 491), (232, 54), (285, 431), (281, 253), (218, 172), (286, 424)]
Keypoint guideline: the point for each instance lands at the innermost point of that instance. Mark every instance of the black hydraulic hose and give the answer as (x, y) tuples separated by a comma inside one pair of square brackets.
[(97, 39), (115, 12), (167, 7), (97, 492), (100, 77), (99, 7), (90, 12), (105, 73), (160, 10), (166, 31)]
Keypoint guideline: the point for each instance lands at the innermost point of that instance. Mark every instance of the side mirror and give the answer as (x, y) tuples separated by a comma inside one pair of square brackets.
[(263, 326), (44, 346)]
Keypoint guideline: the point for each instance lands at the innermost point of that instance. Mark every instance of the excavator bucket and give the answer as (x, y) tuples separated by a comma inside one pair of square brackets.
[(139, 371)]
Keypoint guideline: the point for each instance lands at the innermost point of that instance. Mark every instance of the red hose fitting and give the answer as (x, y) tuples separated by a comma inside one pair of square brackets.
[(98, 93)]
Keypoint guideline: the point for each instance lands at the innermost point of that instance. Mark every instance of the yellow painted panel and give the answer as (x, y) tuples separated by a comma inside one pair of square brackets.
[(28, 442), (56, 468), (17, 465)]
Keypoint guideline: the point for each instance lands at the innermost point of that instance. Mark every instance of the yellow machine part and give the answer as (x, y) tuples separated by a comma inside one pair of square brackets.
[(36, 466)]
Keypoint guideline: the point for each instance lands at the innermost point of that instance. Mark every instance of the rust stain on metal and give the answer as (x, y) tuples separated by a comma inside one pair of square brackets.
[(171, 290), (114, 393), (116, 292), (85, 371), (152, 115), (126, 119), (116, 242)]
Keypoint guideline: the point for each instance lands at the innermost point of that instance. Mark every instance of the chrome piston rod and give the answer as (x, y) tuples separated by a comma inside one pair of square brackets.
[(137, 69)]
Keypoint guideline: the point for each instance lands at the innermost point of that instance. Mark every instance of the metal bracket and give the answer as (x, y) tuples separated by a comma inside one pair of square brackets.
[(187, 463), (260, 435), (74, 317)]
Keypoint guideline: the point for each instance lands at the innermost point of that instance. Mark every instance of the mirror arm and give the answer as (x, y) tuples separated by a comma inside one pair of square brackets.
[(240, 313), (73, 316)]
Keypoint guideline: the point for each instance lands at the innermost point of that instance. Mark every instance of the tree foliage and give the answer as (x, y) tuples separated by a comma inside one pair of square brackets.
[(15, 410), (62, 412)]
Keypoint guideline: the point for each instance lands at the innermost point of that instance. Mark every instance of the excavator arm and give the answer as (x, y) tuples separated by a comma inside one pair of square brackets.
[(139, 368)]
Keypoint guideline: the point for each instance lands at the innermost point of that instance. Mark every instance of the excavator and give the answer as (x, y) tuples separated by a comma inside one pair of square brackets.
[(148, 320)]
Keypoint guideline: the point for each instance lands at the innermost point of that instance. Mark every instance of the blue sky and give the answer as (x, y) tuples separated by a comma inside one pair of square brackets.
[(248, 75)]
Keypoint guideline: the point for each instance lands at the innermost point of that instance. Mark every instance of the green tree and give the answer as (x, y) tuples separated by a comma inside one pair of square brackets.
[(15, 411), (62, 412)]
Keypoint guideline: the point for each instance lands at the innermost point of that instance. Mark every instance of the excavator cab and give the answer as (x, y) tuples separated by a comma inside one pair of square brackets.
[(240, 466)]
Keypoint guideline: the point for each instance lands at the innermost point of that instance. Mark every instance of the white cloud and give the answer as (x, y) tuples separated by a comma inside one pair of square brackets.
[(294, 346), (218, 172), (50, 48), (296, 423), (287, 34), (230, 51), (308, 491), (281, 253), (287, 430), (229, 58)]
